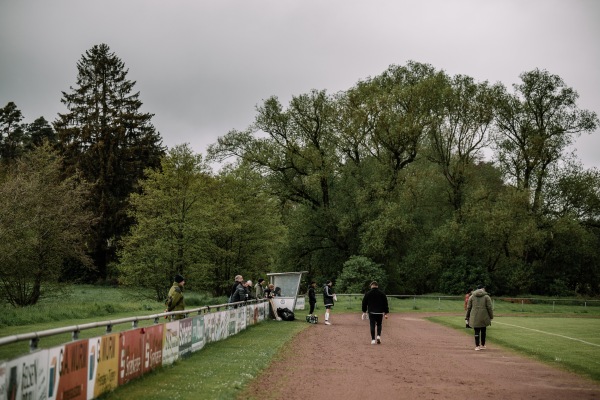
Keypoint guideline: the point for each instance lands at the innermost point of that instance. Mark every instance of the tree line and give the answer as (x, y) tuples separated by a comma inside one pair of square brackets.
[(431, 182)]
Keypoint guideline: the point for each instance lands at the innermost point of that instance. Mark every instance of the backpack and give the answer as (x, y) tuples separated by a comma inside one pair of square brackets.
[(286, 314)]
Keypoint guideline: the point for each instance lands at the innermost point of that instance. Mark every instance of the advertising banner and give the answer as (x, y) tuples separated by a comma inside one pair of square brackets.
[(185, 337), (232, 325), (153, 347), (215, 325), (68, 371), (198, 333), (27, 376), (241, 319), (103, 366), (170, 343), (131, 354), (3, 388)]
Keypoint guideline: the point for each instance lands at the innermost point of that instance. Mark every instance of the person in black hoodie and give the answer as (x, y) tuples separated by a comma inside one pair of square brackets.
[(376, 304), (312, 297)]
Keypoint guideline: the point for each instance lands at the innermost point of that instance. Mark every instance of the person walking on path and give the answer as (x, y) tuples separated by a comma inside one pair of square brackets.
[(375, 302), (175, 301), (479, 315), (328, 298)]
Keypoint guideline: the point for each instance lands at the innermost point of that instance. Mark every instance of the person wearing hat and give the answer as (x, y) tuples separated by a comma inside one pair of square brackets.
[(175, 301), (259, 288), (479, 315), (375, 302)]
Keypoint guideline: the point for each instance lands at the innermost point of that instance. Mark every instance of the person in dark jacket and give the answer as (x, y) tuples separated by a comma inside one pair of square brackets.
[(312, 297), (375, 303), (240, 294), (479, 315), (238, 281), (328, 297)]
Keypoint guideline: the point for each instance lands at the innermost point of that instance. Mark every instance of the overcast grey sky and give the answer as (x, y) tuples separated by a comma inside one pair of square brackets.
[(202, 66)]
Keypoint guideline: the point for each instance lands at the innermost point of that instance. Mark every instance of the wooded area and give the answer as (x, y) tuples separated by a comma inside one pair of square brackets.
[(430, 182)]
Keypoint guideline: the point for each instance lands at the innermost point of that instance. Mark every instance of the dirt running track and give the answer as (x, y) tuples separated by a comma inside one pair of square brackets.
[(417, 359)]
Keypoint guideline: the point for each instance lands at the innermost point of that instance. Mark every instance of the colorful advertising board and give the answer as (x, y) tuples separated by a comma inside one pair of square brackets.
[(185, 337), (153, 347), (103, 367), (170, 343), (131, 354), (68, 371), (198, 339), (27, 376)]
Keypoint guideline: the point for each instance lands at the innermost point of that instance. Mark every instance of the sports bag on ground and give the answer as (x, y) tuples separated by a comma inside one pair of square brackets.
[(286, 314)]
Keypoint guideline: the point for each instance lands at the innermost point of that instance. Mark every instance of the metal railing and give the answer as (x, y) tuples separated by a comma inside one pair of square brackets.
[(75, 330)]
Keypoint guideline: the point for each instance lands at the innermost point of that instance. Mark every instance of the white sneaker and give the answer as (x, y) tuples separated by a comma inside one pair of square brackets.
[(327, 323), (378, 340), (477, 348), (482, 347), (372, 342)]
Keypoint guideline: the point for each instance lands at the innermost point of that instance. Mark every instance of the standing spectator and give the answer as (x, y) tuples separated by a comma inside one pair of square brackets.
[(328, 297), (312, 297), (467, 295), (259, 288), (480, 315), (270, 291), (175, 301), (240, 293), (248, 288), (375, 303), (238, 281)]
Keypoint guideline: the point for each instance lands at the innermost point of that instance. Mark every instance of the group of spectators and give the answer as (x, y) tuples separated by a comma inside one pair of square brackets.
[(242, 290)]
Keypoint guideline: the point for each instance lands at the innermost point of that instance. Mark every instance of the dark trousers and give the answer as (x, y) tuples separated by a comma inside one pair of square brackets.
[(312, 307), (375, 320), (480, 335)]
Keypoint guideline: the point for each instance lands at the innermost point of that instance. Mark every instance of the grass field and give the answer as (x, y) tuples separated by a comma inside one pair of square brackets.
[(566, 335), (565, 342)]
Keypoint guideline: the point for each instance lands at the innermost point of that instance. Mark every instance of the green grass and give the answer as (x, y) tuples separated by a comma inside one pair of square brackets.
[(432, 303), (566, 342), (82, 304), (220, 370)]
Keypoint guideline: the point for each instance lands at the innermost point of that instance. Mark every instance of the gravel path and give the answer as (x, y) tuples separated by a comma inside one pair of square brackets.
[(417, 359)]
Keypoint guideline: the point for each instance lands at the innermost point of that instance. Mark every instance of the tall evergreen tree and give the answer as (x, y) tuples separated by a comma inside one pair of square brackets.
[(11, 133), (106, 137)]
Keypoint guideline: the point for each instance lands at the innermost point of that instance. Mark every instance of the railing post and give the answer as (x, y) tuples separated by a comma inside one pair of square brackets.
[(109, 328), (75, 334), (33, 344), (134, 324)]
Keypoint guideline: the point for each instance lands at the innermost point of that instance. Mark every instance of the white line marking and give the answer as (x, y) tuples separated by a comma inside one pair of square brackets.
[(548, 333)]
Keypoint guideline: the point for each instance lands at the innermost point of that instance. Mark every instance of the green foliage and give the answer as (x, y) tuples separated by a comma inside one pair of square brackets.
[(171, 230), (42, 224), (357, 275), (104, 135)]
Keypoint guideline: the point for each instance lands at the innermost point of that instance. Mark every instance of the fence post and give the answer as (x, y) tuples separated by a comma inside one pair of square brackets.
[(553, 301), (414, 302), (33, 344), (439, 303), (522, 310)]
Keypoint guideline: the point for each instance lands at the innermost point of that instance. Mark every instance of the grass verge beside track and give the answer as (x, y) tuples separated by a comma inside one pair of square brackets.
[(219, 371), (569, 343)]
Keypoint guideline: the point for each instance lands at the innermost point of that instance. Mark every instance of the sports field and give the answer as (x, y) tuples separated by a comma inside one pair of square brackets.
[(418, 358)]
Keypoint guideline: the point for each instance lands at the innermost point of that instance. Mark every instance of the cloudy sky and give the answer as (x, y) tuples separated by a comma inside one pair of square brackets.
[(202, 66)]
